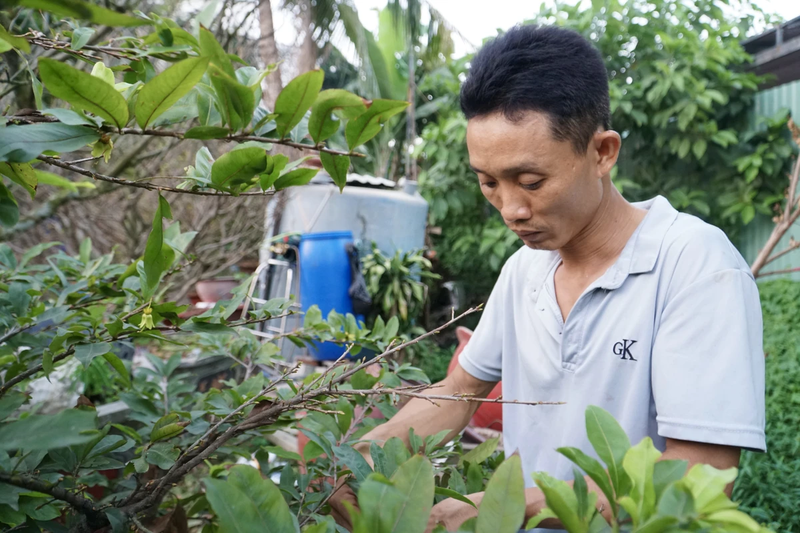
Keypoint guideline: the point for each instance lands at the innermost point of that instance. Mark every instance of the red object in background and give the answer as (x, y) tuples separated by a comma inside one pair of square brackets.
[(488, 415)]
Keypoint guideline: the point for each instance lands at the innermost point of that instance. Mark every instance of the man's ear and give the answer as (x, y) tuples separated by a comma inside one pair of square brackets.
[(606, 148)]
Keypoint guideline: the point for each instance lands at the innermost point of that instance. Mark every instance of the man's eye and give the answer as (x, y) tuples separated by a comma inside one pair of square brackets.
[(532, 186), (489, 184)]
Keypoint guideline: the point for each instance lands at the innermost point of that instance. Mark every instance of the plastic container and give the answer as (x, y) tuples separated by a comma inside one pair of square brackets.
[(325, 280)]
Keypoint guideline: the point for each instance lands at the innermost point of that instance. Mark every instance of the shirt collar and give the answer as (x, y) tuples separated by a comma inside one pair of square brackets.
[(640, 253)]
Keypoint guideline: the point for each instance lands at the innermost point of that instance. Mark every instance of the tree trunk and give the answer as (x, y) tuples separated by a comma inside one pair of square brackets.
[(411, 121), (268, 51), (307, 60)]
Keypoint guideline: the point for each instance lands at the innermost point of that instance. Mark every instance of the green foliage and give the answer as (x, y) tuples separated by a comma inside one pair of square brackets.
[(163, 91), (649, 497), (768, 486), (55, 307), (397, 284)]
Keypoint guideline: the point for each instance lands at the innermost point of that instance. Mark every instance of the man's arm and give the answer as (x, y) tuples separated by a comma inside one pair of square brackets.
[(453, 512), (426, 418), (430, 418)]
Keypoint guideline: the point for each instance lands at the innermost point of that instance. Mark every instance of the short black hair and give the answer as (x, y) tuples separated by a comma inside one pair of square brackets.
[(541, 68)]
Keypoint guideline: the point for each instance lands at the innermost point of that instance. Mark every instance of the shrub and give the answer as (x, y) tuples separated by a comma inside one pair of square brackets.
[(769, 484)]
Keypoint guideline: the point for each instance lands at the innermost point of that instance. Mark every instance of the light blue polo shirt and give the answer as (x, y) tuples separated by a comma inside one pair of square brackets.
[(668, 340)]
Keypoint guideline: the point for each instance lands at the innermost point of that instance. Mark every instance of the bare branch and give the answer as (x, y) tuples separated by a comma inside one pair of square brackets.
[(139, 184)]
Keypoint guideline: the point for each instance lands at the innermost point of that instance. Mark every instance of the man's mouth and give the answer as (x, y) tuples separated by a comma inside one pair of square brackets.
[(527, 235)]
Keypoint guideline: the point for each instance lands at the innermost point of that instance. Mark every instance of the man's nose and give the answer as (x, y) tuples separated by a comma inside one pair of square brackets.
[(513, 209)]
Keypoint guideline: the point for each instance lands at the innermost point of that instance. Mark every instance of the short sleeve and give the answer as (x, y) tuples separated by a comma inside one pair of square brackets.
[(482, 357), (708, 362)]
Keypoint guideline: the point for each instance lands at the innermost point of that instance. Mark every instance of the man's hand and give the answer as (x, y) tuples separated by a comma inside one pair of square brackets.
[(342, 493), (452, 513)]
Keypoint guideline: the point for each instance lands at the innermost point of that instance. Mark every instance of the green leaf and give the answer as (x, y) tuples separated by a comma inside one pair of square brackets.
[(22, 174), (699, 148), (336, 166), (676, 502), (706, 483), (639, 462), (611, 443), (158, 255), (166, 432), (481, 452), (267, 498), (734, 520), (238, 167), (207, 132), (84, 91), (237, 513), (368, 124), (321, 125), (354, 461), (593, 468), (45, 432), (85, 250), (101, 72), (160, 93), (295, 99), (237, 102), (658, 524), (10, 403), (414, 480), (275, 166), (85, 11), (561, 500), (502, 508), (80, 37), (544, 514), (666, 472), (392, 327), (197, 325), (48, 178), (280, 452), (20, 144), (210, 47), (9, 209), (163, 455), (47, 362), (380, 503), (450, 493), (20, 43), (298, 176), (85, 353)]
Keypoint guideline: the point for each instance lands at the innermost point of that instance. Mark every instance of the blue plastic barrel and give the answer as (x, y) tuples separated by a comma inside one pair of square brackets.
[(325, 280)]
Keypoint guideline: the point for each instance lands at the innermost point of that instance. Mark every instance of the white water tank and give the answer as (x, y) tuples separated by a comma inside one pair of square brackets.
[(371, 208)]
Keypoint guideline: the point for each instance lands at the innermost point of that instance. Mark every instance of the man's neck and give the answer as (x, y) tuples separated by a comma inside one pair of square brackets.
[(600, 243)]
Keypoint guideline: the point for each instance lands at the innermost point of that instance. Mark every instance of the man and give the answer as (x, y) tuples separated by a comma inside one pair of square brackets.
[(648, 313)]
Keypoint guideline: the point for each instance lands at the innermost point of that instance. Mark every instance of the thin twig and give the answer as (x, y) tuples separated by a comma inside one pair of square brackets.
[(81, 504), (141, 185), (139, 525)]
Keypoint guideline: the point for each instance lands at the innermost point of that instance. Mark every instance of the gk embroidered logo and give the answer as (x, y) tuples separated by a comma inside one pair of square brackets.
[(624, 349)]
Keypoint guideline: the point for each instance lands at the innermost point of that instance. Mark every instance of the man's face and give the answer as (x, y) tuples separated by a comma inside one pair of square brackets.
[(545, 192)]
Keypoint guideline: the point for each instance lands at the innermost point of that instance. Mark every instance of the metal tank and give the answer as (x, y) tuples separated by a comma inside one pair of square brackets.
[(371, 208)]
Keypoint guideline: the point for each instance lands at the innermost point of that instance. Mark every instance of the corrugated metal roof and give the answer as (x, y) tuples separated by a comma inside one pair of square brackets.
[(357, 180), (777, 52)]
